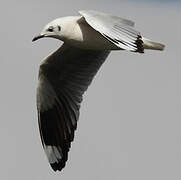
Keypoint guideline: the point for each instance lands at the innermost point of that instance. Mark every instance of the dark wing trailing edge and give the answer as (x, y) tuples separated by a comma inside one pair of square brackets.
[(63, 78)]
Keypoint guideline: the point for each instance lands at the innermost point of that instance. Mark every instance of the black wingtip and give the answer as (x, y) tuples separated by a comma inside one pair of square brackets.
[(139, 43), (58, 166)]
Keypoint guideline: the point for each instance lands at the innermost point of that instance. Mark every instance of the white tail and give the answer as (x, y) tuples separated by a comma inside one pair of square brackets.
[(148, 44)]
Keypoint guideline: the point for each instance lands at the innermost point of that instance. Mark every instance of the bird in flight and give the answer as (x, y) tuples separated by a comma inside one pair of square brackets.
[(65, 75)]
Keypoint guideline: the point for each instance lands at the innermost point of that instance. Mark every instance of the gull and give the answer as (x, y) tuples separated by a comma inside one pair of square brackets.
[(65, 75)]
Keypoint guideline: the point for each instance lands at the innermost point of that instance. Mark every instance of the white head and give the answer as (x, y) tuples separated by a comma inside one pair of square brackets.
[(54, 29)]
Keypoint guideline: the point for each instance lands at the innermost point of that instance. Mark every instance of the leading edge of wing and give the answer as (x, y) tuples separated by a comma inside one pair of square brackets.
[(119, 19)]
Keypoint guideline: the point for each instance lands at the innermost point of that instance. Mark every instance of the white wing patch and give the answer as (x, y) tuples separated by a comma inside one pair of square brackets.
[(54, 153)]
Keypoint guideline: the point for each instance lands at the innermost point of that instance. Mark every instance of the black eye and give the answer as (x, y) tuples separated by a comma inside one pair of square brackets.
[(50, 29), (59, 28)]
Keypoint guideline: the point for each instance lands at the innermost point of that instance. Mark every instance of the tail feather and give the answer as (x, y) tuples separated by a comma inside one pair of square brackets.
[(148, 44)]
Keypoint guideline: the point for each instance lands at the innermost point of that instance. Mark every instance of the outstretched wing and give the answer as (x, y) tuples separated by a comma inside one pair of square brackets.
[(117, 30), (63, 78)]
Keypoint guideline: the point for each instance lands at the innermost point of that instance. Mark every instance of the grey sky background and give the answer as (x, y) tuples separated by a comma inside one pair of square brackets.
[(130, 120)]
